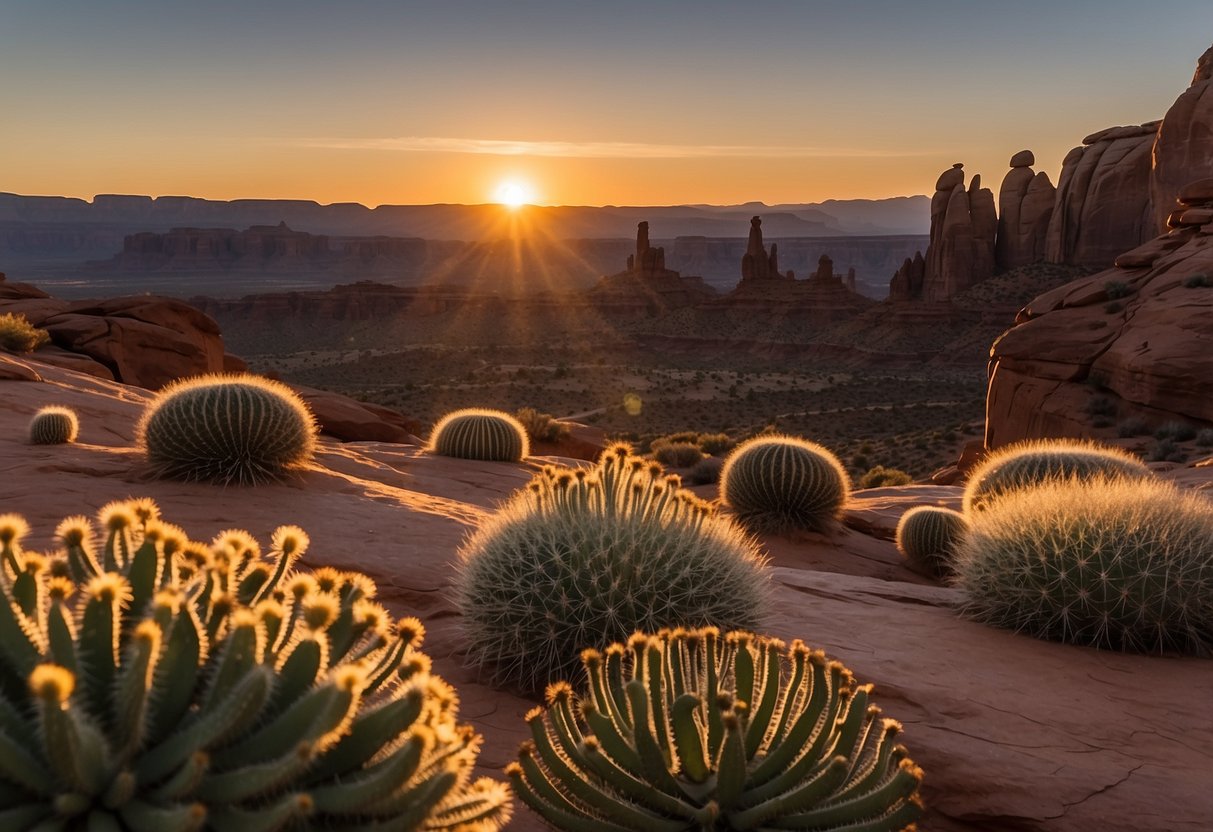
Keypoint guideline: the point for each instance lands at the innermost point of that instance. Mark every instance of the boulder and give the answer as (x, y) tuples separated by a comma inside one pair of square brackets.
[(1183, 147), (353, 421)]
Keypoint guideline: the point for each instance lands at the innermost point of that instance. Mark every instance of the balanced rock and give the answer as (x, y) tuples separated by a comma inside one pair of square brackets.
[(963, 228), (1183, 148), (1025, 205)]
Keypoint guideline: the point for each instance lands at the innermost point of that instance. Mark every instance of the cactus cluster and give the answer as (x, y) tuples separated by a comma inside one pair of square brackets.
[(1027, 464), (478, 433), (54, 425), (227, 429), (150, 683), (1120, 563), (581, 558), (782, 482), (927, 537), (694, 730)]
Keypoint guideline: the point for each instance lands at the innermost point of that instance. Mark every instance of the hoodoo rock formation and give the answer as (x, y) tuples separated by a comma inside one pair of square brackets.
[(647, 261), (1183, 149), (756, 264), (906, 284), (1138, 336), (964, 224), (646, 285), (1025, 205)]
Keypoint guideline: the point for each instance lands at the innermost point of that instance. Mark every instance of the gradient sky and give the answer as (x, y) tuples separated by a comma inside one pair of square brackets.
[(659, 102)]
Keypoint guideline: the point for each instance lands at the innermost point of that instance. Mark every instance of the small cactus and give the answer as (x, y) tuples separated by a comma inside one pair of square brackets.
[(478, 433), (927, 536), (581, 558), (781, 482), (1027, 464), (54, 425), (1116, 563), (154, 683), (227, 429), (692, 730)]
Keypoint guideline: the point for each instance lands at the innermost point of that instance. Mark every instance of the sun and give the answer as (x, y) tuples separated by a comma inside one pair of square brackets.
[(514, 193)]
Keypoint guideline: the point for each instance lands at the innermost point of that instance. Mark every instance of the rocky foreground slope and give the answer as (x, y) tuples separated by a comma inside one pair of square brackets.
[(1014, 734)]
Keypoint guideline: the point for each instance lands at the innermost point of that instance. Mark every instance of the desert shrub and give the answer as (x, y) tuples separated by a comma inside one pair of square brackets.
[(1165, 450), (1115, 290), (17, 334), (880, 477), (1198, 281), (479, 433), (54, 425), (226, 429), (1027, 464), (1133, 426), (716, 444), (541, 427), (1178, 431), (1113, 307), (706, 471), (1204, 438), (1101, 406), (676, 454), (694, 730), (781, 482), (1119, 563), (581, 558), (155, 683), (927, 537)]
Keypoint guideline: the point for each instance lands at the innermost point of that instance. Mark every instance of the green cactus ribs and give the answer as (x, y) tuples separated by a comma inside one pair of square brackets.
[(777, 483), (54, 425), (477, 433), (695, 730), (150, 683), (236, 429), (927, 537)]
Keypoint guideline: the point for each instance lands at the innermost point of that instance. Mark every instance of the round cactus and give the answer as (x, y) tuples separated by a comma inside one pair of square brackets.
[(781, 482), (477, 433), (580, 558), (154, 683), (54, 425), (228, 429), (1118, 563), (1027, 464), (927, 537), (691, 730)]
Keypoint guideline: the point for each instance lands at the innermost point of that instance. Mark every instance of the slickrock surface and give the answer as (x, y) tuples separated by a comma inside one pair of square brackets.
[(1014, 734)]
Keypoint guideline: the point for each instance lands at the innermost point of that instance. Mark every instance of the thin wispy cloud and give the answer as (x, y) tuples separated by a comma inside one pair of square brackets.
[(593, 150)]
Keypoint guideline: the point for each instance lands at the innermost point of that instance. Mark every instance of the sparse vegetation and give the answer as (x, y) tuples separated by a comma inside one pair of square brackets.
[(1133, 426), (1177, 431), (1115, 290), (881, 477), (676, 454), (541, 427), (54, 425), (695, 730), (17, 334), (707, 471), (1198, 281)]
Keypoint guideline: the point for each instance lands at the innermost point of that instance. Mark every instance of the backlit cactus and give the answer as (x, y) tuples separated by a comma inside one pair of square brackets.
[(581, 558), (782, 482), (927, 537), (477, 433), (1120, 563), (698, 731), (54, 425), (227, 429), (1027, 464), (149, 683)]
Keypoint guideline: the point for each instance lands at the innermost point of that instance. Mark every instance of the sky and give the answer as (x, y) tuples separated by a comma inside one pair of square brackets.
[(577, 103)]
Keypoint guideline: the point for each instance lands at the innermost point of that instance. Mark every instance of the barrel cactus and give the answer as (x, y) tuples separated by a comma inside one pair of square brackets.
[(782, 482), (1117, 563), (927, 537), (54, 425), (228, 429), (150, 683), (692, 730), (478, 433), (580, 558), (1026, 464)]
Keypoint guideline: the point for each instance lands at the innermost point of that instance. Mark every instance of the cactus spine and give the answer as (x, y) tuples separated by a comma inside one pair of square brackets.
[(477, 433), (582, 557), (154, 683), (1027, 464), (692, 730), (54, 425), (782, 482), (927, 537), (227, 429)]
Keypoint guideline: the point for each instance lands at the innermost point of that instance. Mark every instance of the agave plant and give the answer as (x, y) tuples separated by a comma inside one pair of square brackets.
[(689, 730), (155, 683)]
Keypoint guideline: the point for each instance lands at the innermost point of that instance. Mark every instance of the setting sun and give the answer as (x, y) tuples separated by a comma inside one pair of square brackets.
[(514, 193)]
